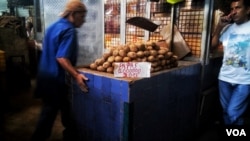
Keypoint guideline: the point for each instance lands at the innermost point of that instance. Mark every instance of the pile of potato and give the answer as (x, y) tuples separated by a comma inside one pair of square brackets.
[(160, 57)]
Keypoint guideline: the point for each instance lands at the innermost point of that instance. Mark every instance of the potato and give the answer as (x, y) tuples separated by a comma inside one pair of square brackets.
[(151, 58), (176, 57), (126, 48), (154, 64), (146, 53), (163, 62), (115, 52), (106, 55), (140, 54), (133, 48), (131, 55), (122, 53), (126, 59), (160, 56), (149, 47), (168, 62), (144, 59), (111, 59), (148, 43), (137, 44), (168, 55), (106, 64), (162, 44), (163, 48), (99, 61), (100, 68), (110, 70), (156, 58), (162, 51), (118, 59), (173, 59), (142, 47), (138, 60), (153, 52), (155, 46), (93, 66)]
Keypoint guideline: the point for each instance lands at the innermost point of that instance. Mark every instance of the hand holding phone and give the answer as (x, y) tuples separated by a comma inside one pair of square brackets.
[(226, 19)]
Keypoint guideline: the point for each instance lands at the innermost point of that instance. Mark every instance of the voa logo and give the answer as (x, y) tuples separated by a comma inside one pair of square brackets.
[(236, 132)]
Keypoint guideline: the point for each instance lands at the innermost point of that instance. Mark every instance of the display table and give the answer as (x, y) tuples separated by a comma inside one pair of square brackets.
[(162, 107)]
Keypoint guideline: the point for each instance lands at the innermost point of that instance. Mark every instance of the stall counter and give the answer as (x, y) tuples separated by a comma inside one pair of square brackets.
[(162, 107)]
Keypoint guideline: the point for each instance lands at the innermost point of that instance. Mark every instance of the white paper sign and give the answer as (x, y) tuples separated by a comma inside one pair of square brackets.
[(132, 69)]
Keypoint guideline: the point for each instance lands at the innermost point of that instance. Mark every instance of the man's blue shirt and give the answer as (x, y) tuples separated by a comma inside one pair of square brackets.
[(60, 41)]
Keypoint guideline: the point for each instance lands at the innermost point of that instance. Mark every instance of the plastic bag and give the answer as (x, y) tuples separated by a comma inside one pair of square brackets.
[(180, 47)]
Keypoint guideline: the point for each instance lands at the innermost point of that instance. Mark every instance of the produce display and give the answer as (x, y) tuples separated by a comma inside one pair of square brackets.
[(160, 57)]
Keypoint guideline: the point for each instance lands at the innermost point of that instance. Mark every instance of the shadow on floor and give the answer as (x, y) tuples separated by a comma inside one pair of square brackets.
[(20, 114)]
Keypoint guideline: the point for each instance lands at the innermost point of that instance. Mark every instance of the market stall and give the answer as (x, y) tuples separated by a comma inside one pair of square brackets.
[(165, 106)]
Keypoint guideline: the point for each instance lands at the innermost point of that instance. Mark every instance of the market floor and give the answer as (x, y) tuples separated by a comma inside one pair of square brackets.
[(21, 112)]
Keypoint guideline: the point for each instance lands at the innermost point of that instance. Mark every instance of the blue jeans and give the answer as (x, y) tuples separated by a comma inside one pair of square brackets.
[(234, 99)]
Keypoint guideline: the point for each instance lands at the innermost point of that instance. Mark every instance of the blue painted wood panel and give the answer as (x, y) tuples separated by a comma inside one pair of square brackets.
[(162, 107)]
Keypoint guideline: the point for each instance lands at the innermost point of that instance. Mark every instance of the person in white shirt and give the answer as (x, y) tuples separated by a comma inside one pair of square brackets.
[(233, 33)]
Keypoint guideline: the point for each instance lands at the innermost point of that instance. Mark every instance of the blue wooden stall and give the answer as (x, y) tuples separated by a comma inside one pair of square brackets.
[(160, 108)]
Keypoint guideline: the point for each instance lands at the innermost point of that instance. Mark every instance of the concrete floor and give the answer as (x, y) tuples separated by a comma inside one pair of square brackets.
[(21, 112)]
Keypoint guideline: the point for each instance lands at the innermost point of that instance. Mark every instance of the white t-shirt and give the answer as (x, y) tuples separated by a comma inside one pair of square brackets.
[(236, 60)]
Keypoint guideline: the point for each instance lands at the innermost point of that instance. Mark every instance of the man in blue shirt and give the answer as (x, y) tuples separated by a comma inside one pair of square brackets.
[(57, 59), (233, 33)]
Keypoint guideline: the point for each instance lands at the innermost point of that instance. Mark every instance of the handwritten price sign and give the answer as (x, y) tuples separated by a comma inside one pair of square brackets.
[(132, 69)]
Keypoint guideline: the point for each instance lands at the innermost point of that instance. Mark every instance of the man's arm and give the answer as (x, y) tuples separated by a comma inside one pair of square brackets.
[(80, 78), (223, 22), (216, 36)]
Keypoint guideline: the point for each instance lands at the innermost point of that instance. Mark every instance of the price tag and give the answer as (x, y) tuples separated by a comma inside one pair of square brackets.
[(132, 69)]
